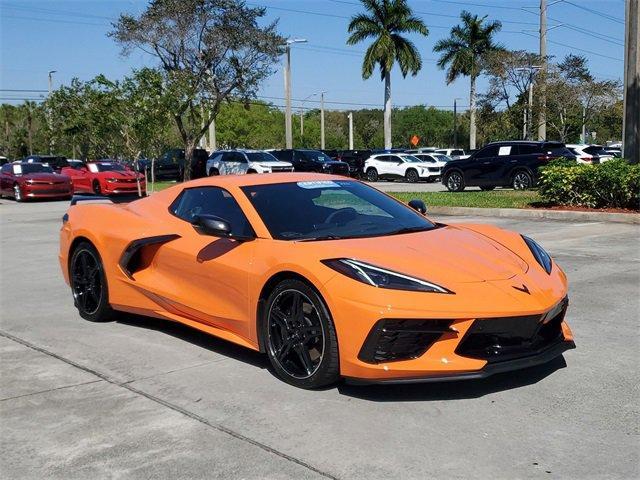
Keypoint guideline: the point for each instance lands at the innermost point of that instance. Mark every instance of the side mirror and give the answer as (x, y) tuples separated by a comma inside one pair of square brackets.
[(212, 225), (418, 206)]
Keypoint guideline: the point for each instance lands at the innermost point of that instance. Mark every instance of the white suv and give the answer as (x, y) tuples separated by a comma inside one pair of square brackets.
[(234, 162), (397, 165), (435, 161)]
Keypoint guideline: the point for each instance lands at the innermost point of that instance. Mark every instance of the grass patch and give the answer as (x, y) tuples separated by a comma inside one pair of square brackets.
[(494, 199), (161, 185)]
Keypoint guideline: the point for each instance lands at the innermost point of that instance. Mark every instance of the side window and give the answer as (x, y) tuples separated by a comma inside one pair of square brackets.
[(298, 157), (457, 152), (486, 152), (506, 150), (526, 150), (211, 201), (395, 159), (6, 168), (241, 157), (217, 158)]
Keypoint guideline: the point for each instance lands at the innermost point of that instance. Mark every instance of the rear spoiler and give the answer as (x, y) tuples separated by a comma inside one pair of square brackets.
[(102, 198)]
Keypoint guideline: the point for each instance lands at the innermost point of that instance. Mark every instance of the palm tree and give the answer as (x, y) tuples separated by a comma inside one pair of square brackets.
[(385, 22), (464, 52)]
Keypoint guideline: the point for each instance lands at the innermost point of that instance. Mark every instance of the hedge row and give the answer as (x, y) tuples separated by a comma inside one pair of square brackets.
[(612, 184)]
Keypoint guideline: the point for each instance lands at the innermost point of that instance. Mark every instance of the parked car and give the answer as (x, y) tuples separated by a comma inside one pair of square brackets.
[(3, 160), (589, 154), (326, 276), (436, 162), (28, 180), (398, 165), (171, 164), (454, 153), (105, 178), (615, 152), (54, 161), (306, 160), (413, 151), (355, 159), (502, 164), (234, 162)]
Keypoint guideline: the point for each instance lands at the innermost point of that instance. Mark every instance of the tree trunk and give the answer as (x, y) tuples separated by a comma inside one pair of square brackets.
[(472, 113), (387, 110), (188, 159)]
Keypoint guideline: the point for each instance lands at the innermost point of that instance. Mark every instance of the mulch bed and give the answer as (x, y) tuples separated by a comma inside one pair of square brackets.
[(582, 209)]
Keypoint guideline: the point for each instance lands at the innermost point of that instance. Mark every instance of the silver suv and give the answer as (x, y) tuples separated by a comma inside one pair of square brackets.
[(237, 162)]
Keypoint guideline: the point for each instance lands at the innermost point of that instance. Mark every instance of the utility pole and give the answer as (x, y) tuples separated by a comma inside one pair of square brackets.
[(322, 120), (530, 113), (524, 124), (542, 78), (287, 90), (50, 112), (584, 125), (350, 116), (455, 123), (631, 118)]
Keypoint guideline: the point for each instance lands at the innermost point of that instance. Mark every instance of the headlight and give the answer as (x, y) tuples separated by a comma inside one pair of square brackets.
[(381, 277), (111, 180), (541, 256)]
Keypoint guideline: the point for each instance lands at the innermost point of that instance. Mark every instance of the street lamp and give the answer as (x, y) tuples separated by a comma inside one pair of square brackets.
[(50, 114), (287, 90), (322, 120)]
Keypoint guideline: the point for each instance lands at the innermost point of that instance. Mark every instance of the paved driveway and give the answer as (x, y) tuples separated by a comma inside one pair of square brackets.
[(140, 398)]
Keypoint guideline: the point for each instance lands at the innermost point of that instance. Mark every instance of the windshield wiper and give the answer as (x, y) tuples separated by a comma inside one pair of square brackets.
[(409, 230), (318, 238)]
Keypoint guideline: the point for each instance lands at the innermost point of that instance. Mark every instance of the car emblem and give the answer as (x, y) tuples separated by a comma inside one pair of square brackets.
[(523, 288)]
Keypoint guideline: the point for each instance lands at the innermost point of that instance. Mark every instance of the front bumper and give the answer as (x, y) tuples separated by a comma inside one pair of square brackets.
[(118, 188), (47, 190)]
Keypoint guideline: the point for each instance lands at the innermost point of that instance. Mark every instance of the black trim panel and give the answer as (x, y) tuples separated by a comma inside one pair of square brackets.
[(129, 254), (487, 371)]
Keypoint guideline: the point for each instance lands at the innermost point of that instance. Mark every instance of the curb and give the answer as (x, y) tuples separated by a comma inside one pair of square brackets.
[(566, 215)]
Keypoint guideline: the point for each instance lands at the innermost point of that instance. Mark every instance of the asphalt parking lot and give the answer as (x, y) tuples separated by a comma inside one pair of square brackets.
[(141, 398)]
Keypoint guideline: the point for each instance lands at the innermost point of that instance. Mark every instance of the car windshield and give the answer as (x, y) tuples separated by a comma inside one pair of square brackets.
[(106, 167), (331, 210), (411, 159), (316, 156), (23, 168), (261, 157), (443, 158)]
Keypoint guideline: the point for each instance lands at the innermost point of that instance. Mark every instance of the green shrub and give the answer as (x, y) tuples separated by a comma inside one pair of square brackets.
[(613, 184)]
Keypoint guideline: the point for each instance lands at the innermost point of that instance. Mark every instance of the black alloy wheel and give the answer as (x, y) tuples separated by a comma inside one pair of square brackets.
[(372, 175), (522, 180), (17, 193), (455, 182), (412, 176), (300, 338), (89, 284)]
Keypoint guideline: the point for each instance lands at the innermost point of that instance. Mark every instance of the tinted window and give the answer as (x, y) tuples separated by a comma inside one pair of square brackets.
[(22, 168), (261, 157), (555, 147), (594, 150), (426, 158), (282, 155), (315, 155), (342, 209), (528, 149), (456, 152), (491, 151), (105, 167), (211, 201), (6, 168)]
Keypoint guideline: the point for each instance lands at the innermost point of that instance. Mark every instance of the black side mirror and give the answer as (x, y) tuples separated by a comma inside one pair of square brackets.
[(212, 225), (418, 206)]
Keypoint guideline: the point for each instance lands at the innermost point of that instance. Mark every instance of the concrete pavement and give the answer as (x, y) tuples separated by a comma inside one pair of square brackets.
[(141, 398)]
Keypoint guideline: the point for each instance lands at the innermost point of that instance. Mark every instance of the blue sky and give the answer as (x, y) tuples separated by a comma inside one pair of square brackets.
[(70, 37)]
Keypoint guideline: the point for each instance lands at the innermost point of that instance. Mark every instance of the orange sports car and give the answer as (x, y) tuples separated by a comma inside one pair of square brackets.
[(329, 277)]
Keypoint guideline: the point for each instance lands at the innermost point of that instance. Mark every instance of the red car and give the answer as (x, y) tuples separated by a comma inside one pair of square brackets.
[(104, 178), (23, 181)]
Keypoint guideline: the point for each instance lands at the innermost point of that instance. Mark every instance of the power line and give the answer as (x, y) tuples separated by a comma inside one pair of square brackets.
[(576, 48), (596, 12)]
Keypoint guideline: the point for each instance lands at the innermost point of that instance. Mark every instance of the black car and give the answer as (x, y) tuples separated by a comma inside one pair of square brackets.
[(355, 159), (171, 164), (304, 160), (54, 161), (502, 164)]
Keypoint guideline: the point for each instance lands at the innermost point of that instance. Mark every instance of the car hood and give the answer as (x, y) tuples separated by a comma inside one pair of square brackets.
[(45, 177), (447, 254), (276, 163), (118, 174)]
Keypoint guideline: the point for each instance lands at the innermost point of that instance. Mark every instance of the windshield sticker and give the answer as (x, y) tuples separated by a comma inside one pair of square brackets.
[(93, 168), (17, 169), (318, 184), (504, 151)]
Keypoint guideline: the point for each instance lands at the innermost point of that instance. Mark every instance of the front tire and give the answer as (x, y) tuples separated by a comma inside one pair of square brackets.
[(97, 189), (372, 175), (89, 284), (17, 193), (455, 181), (412, 176), (299, 335)]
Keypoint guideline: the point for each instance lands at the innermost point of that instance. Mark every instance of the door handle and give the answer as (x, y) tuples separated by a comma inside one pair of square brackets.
[(486, 163), (513, 161)]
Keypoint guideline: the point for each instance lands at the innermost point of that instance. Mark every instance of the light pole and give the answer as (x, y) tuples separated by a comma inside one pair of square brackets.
[(455, 122), (287, 90), (302, 114), (50, 114), (350, 116), (322, 120)]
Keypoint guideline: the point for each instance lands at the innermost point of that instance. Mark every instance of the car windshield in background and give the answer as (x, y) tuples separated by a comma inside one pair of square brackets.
[(316, 156), (261, 157), (411, 159), (23, 168), (106, 167), (75, 164), (331, 210), (443, 158)]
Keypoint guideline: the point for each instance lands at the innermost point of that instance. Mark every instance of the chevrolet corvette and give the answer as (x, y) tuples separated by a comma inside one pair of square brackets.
[(327, 276)]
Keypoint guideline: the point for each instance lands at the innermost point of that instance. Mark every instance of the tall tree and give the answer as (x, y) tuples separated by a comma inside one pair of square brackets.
[(208, 50), (464, 53), (385, 22)]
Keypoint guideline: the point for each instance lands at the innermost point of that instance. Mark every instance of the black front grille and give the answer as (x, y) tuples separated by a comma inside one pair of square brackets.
[(393, 340), (508, 338), (281, 169)]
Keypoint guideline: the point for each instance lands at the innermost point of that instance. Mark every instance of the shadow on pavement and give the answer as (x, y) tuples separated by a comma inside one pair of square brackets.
[(463, 389)]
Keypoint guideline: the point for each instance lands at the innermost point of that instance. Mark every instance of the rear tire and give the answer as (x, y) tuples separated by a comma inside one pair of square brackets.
[(213, 172), (299, 335), (454, 181), (89, 284), (372, 175), (522, 180)]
